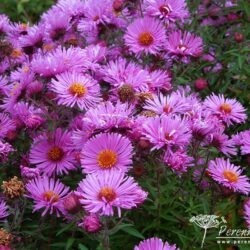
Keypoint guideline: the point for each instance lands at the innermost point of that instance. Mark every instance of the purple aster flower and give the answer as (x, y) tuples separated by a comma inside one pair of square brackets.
[(59, 61), (76, 89), (178, 161), (6, 124), (5, 149), (107, 152), (228, 110), (229, 175), (167, 131), (107, 115), (184, 44), (155, 244), (167, 10), (52, 153), (4, 24), (103, 192), (72, 8), (4, 87), (159, 79), (171, 104), (3, 210), (27, 114), (47, 194), (29, 173), (145, 35)]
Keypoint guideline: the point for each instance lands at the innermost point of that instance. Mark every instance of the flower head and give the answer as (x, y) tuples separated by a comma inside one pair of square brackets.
[(228, 110), (145, 35), (75, 89), (229, 175), (103, 192), (13, 188), (3, 210), (52, 153), (107, 151), (155, 244), (47, 194)]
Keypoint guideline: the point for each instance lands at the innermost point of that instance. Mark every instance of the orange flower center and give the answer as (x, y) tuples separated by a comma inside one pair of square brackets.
[(55, 154), (230, 176), (16, 53), (77, 89), (108, 193), (50, 196), (107, 158), (226, 108), (145, 39)]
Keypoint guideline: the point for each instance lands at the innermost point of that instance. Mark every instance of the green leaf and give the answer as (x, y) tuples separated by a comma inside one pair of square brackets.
[(82, 247), (133, 231), (67, 227), (70, 242)]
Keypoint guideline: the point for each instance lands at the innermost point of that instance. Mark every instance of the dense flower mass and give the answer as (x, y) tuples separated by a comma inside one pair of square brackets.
[(111, 118)]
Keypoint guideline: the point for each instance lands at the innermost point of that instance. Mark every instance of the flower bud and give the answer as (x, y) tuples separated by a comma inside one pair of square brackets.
[(200, 84), (91, 223), (72, 204), (238, 37)]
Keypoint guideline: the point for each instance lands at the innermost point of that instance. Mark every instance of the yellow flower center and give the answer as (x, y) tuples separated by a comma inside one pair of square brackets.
[(55, 154), (226, 108), (107, 159), (108, 193), (16, 53), (145, 39), (77, 89), (230, 176), (50, 196)]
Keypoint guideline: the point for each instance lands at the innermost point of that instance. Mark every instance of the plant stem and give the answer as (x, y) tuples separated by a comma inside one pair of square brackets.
[(204, 236), (105, 242)]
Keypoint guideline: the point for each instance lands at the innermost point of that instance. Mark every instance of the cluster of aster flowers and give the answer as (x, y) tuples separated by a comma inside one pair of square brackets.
[(91, 88)]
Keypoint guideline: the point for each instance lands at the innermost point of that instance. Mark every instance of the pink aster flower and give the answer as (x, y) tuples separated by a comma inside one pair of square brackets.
[(171, 104), (228, 110), (159, 79), (3, 210), (247, 212), (107, 115), (5, 150), (167, 10), (229, 175), (103, 192), (145, 35), (107, 151), (29, 173), (59, 61), (52, 153), (47, 194), (167, 131), (184, 44), (6, 124), (178, 161), (76, 89), (4, 87), (155, 244)]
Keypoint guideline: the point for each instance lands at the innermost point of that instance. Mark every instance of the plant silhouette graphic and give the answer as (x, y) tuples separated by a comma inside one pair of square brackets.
[(206, 221)]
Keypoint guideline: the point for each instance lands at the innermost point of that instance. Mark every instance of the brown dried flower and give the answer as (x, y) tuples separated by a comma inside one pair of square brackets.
[(13, 188)]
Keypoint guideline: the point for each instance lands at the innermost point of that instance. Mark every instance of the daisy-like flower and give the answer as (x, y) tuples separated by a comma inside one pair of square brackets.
[(107, 151), (47, 194), (184, 44), (103, 192), (6, 125), (228, 110), (247, 212), (159, 79), (171, 104), (167, 10), (167, 131), (76, 89), (145, 35), (107, 115), (229, 175), (52, 153), (155, 244), (3, 210)]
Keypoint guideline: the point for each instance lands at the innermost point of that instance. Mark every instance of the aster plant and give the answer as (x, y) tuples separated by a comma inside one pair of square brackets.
[(121, 123)]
